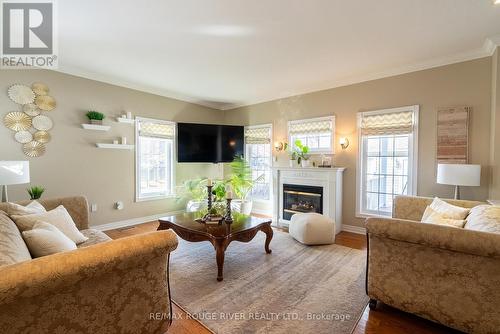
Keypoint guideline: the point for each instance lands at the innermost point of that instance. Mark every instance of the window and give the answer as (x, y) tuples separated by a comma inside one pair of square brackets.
[(259, 155), (387, 158), (154, 159), (316, 133)]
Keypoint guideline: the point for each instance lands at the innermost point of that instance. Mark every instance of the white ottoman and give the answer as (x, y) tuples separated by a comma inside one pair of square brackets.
[(312, 229)]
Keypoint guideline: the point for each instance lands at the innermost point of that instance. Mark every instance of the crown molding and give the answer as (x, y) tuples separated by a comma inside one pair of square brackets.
[(487, 50)]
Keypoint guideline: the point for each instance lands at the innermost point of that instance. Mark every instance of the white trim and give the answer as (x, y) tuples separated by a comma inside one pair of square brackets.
[(353, 229), (413, 144), (172, 165), (271, 144), (134, 221)]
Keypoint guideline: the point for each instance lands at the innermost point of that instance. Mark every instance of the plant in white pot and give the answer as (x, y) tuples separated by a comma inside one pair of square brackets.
[(242, 183), (195, 192), (302, 153)]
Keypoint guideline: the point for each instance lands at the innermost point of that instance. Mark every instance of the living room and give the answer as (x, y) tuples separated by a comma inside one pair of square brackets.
[(239, 167)]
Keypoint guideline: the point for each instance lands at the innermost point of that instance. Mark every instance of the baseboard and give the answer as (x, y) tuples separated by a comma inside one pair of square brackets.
[(353, 229), (133, 221)]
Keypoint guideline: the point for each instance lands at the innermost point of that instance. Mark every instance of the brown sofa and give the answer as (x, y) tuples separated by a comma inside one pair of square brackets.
[(444, 274), (105, 286)]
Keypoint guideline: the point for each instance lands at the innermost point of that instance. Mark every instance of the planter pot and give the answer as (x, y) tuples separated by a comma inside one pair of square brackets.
[(292, 163), (193, 206), (96, 121), (244, 207), (305, 163)]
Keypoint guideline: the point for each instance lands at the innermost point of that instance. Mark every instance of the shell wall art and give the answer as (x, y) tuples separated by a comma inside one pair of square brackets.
[(30, 123)]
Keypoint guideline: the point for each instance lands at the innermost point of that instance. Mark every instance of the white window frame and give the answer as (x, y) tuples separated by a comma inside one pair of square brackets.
[(314, 151), (412, 145), (270, 126), (172, 164)]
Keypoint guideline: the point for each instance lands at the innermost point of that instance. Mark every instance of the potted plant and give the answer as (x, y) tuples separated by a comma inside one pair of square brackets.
[(95, 117), (242, 183), (302, 154), (195, 192), (35, 192)]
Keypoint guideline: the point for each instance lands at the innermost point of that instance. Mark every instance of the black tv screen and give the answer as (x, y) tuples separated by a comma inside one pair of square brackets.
[(208, 143)]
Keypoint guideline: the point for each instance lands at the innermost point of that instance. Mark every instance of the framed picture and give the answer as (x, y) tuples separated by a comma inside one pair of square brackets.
[(453, 135)]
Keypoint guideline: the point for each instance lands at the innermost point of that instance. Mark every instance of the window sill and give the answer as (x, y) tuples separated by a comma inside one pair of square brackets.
[(370, 215), (154, 198)]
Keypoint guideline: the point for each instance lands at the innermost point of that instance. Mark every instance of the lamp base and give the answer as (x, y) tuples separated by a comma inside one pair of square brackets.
[(5, 196), (457, 192)]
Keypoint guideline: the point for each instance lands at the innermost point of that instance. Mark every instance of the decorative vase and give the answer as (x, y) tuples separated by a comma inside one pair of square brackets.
[(305, 163), (244, 207), (96, 121), (292, 163)]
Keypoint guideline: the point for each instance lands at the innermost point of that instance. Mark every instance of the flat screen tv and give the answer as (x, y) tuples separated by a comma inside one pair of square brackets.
[(208, 143)]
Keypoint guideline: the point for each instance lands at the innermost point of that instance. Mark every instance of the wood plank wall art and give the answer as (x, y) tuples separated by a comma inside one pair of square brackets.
[(453, 135)]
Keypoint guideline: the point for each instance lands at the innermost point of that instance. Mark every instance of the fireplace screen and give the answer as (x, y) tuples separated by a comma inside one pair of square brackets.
[(300, 199)]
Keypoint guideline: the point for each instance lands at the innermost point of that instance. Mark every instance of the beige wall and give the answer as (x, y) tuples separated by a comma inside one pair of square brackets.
[(73, 165), (495, 127), (467, 83)]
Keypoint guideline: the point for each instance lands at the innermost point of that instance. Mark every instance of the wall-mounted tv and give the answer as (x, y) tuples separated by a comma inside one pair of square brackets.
[(209, 143)]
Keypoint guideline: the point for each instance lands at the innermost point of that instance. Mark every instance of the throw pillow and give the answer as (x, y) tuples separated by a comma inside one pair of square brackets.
[(12, 246), (433, 217), (17, 209), (59, 217), (448, 210), (46, 239), (484, 218)]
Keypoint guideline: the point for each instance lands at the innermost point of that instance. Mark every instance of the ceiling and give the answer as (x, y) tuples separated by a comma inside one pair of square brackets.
[(228, 53)]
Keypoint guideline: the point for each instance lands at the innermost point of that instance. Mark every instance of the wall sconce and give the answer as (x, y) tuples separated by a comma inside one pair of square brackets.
[(344, 142), (280, 146)]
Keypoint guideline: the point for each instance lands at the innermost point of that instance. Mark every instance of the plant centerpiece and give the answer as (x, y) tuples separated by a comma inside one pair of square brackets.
[(302, 152), (35, 192), (242, 183), (95, 117), (195, 193)]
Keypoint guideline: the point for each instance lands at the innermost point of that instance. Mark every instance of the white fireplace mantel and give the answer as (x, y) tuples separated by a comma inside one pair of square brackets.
[(330, 179)]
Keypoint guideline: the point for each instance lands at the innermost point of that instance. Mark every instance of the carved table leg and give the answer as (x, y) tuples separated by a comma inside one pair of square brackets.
[(220, 249), (268, 230)]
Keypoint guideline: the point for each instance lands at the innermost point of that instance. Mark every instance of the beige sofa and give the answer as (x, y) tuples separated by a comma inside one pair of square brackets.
[(444, 274), (105, 286)]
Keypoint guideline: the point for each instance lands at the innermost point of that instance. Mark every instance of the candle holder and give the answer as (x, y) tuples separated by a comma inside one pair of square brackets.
[(228, 218), (209, 197)]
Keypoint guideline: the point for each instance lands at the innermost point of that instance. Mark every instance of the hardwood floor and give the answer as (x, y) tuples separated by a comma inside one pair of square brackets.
[(384, 319)]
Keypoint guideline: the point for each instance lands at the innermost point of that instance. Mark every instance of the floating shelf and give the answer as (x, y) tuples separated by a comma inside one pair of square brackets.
[(115, 146), (96, 127), (125, 120)]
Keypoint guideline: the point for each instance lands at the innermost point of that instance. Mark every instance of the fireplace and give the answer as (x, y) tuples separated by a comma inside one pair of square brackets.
[(300, 199)]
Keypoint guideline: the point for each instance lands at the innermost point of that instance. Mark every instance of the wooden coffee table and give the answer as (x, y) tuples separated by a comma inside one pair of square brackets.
[(243, 229)]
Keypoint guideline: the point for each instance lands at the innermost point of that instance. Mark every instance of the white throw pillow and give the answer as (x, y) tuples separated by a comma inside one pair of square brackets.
[(59, 217), (46, 239), (448, 210), (32, 208), (433, 217)]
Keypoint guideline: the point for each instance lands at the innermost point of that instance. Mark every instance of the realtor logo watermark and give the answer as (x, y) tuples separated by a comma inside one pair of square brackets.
[(29, 38)]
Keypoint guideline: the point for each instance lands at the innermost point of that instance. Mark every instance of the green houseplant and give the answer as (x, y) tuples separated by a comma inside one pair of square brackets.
[(35, 192), (195, 193), (95, 117), (242, 183), (302, 153)]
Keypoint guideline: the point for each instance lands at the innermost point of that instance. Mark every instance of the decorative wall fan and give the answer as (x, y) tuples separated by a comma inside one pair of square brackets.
[(33, 102)]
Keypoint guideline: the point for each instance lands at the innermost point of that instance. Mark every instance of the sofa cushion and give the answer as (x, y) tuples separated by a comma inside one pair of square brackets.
[(94, 237), (449, 210), (484, 218), (31, 208), (433, 217), (46, 239), (59, 217), (12, 246)]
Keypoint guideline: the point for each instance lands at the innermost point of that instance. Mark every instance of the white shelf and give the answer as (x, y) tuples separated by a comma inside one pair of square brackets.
[(125, 120), (115, 146), (96, 127)]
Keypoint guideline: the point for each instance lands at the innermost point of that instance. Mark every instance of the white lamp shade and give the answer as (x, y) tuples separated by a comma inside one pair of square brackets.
[(14, 172), (459, 175)]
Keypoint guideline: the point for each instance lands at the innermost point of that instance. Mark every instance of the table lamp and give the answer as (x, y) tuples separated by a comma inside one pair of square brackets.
[(13, 172), (459, 175)]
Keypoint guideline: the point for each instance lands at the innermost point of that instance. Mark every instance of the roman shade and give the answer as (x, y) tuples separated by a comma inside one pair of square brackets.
[(387, 123), (156, 129), (307, 126), (258, 135)]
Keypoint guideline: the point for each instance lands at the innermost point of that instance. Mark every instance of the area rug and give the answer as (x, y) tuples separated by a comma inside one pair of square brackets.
[(296, 289)]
